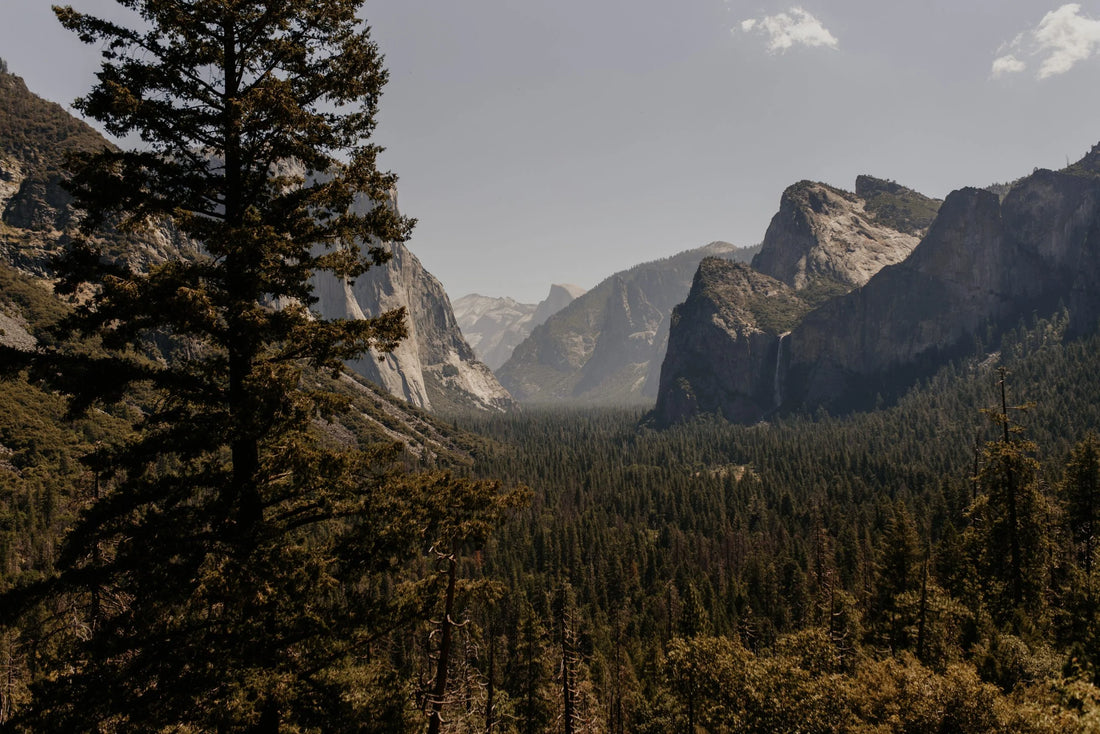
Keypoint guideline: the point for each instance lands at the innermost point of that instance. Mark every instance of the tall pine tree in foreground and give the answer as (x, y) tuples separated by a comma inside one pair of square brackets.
[(235, 569)]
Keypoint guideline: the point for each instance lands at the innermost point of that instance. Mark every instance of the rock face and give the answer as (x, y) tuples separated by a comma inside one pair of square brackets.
[(35, 137), (825, 241), (984, 264), (433, 367), (822, 243), (606, 346), (726, 348), (495, 326)]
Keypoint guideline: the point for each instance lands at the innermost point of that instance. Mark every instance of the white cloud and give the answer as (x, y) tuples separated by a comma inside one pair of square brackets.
[(1063, 38), (793, 28), (1008, 64)]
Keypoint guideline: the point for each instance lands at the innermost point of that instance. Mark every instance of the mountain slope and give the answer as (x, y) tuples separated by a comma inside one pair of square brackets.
[(495, 326), (983, 265), (433, 368), (606, 346)]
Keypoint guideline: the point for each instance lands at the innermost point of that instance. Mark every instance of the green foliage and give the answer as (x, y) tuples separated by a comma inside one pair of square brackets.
[(1011, 525), (1080, 491), (236, 562), (39, 131), (896, 206)]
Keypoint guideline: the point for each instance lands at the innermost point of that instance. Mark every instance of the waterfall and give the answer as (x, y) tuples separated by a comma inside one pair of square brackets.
[(777, 383)]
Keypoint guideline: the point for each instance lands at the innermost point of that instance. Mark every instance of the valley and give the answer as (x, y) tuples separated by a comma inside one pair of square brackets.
[(259, 472)]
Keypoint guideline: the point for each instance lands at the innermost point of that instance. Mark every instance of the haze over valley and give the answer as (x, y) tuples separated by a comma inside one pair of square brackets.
[(550, 368)]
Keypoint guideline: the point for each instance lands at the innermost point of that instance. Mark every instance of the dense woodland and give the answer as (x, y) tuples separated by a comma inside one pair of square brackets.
[(204, 527), (906, 569), (814, 573)]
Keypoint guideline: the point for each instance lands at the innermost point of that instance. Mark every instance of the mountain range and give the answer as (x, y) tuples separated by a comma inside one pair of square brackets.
[(606, 346), (744, 348), (494, 326)]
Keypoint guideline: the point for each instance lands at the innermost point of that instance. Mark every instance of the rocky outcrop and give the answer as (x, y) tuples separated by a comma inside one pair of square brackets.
[(606, 347), (984, 264), (726, 347), (825, 241), (822, 243), (432, 368), (495, 326)]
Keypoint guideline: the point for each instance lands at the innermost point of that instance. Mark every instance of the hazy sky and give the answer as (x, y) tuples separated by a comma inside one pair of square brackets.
[(542, 141)]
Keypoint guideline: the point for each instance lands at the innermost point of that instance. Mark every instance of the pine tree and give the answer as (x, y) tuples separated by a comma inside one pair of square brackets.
[(1081, 494), (237, 571), (896, 573), (1011, 519)]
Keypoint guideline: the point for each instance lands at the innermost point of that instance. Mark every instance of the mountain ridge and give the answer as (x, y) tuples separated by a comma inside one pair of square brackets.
[(984, 263), (606, 346), (37, 220)]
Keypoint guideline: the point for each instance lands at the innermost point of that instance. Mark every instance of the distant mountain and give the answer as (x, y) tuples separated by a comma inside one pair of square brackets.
[(984, 264), (494, 326), (606, 346), (434, 368)]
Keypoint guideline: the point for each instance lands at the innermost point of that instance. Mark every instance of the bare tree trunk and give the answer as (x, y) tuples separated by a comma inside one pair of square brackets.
[(439, 688), (490, 690)]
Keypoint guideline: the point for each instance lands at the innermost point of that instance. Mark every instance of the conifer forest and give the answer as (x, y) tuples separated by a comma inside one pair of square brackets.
[(208, 524)]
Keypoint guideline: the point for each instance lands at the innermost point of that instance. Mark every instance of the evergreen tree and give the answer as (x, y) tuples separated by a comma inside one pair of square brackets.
[(1081, 494), (236, 572), (897, 572), (1011, 520)]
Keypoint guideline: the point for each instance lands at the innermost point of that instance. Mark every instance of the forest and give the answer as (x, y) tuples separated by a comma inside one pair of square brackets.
[(814, 573), (207, 525)]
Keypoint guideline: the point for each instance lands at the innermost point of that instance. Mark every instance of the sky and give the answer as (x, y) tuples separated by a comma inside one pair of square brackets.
[(559, 141)]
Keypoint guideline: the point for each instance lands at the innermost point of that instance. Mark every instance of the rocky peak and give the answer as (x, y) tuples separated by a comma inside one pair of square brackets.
[(725, 349), (984, 264), (560, 296), (824, 241)]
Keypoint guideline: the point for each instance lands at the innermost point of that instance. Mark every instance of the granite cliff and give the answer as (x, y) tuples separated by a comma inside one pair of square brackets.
[(984, 264), (824, 241), (606, 346), (432, 368), (725, 350)]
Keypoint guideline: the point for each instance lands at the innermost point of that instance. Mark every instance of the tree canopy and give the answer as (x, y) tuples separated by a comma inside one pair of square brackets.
[(234, 566)]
